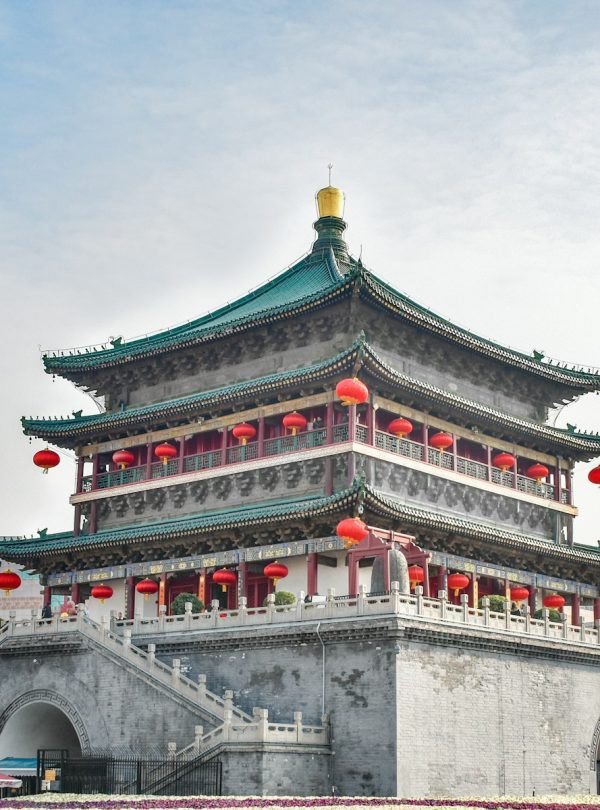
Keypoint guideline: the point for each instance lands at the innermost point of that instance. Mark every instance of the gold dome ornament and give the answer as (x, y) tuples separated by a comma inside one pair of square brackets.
[(330, 200)]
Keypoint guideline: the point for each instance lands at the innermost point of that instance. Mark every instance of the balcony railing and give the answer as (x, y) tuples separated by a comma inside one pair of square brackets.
[(311, 439)]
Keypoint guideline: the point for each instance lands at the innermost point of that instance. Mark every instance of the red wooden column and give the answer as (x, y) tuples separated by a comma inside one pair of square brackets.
[(557, 480), (162, 590), (473, 590), (95, 465), (575, 608), (260, 447), (202, 585), (242, 583), (77, 520), (224, 447), (149, 461), (454, 451), (48, 595), (532, 599), (442, 576), (597, 609), (75, 589), (312, 573), (181, 455), (129, 597), (371, 422), (352, 423), (79, 480), (489, 463), (426, 442), (329, 422)]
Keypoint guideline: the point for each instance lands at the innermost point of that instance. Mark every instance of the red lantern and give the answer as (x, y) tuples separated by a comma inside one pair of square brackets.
[(594, 475), (352, 391), (351, 531), (294, 421), (102, 592), (147, 587), (243, 432), (224, 577), (504, 460), (275, 571), (46, 458), (124, 459), (164, 452), (416, 576), (538, 471), (458, 582), (554, 600), (441, 441), (400, 427), (9, 581), (519, 594)]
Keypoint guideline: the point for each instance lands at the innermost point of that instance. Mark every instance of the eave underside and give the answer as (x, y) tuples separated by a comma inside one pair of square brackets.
[(296, 520)]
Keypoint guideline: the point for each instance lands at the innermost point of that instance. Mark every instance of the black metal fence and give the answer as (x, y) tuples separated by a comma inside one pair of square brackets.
[(105, 773)]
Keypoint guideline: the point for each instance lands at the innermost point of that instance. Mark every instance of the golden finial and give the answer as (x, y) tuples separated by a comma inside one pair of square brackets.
[(330, 200)]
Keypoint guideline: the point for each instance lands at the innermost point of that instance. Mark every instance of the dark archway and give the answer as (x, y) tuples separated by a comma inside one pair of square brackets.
[(41, 719)]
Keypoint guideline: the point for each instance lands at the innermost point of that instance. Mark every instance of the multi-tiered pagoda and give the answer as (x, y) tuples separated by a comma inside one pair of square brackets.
[(194, 468)]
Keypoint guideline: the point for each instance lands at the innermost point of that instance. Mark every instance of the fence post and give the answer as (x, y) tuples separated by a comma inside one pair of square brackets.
[(546, 618), (162, 612), (171, 750), (228, 700), (565, 627), (300, 605), (464, 603), (198, 734), (581, 628), (188, 614), (419, 597), (360, 600), (395, 596), (242, 609), (151, 654), (103, 627), (270, 606), (507, 608), (485, 606), (214, 611), (201, 688), (443, 599), (176, 671), (527, 619), (127, 638), (262, 721), (330, 602), (597, 626), (137, 621), (298, 724)]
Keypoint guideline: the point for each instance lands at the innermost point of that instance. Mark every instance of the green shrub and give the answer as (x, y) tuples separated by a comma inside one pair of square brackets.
[(178, 604), (283, 598), (553, 615), (496, 603)]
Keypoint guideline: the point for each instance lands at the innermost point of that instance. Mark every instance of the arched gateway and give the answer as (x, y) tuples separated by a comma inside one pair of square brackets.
[(41, 719)]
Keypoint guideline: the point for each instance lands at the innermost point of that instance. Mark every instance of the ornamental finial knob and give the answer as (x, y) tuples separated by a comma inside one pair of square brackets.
[(330, 200)]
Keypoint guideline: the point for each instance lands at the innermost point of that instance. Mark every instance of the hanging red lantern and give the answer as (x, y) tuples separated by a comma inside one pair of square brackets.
[(123, 458), (519, 594), (400, 427), (147, 587), (243, 432), (165, 452), (441, 441), (102, 592), (9, 581), (351, 531), (554, 600), (538, 471), (47, 459), (352, 391), (294, 421), (594, 475), (504, 460), (416, 576), (224, 577), (275, 571), (458, 582)]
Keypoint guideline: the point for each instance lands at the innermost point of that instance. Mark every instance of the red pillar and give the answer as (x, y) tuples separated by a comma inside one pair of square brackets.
[(48, 595), (77, 520), (312, 573), (426, 442), (93, 517), (596, 609), (202, 585), (129, 612), (557, 480), (162, 590), (149, 461), (575, 605), (79, 481), (352, 422), (532, 599), (489, 463), (329, 422), (75, 588), (224, 447), (181, 455), (370, 423)]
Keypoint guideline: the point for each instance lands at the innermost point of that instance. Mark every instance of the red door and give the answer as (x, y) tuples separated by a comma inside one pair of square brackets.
[(258, 588)]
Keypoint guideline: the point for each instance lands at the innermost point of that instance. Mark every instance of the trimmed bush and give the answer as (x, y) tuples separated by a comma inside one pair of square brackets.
[(178, 604), (553, 615), (283, 598), (496, 603)]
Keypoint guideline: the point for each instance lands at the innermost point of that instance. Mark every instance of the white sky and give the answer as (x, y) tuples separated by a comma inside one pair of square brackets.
[(160, 158)]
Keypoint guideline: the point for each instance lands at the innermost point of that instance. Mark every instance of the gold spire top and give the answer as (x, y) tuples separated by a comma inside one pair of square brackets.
[(330, 200)]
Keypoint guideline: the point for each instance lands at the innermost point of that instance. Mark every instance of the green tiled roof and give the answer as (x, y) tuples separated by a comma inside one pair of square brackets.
[(20, 548), (343, 502), (78, 429), (309, 281), (312, 282)]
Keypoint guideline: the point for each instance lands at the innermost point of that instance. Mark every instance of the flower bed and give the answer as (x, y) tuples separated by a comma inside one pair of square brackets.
[(63, 801)]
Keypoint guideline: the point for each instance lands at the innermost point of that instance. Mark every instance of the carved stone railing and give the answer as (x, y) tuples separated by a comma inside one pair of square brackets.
[(436, 610)]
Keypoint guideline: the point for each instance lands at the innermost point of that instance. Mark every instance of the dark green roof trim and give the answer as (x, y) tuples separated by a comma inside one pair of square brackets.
[(87, 427), (13, 548), (418, 518), (311, 283), (280, 512)]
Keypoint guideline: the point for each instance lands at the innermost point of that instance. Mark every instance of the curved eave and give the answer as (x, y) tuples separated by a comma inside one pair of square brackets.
[(380, 294), (70, 432), (18, 550), (73, 366), (417, 519)]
